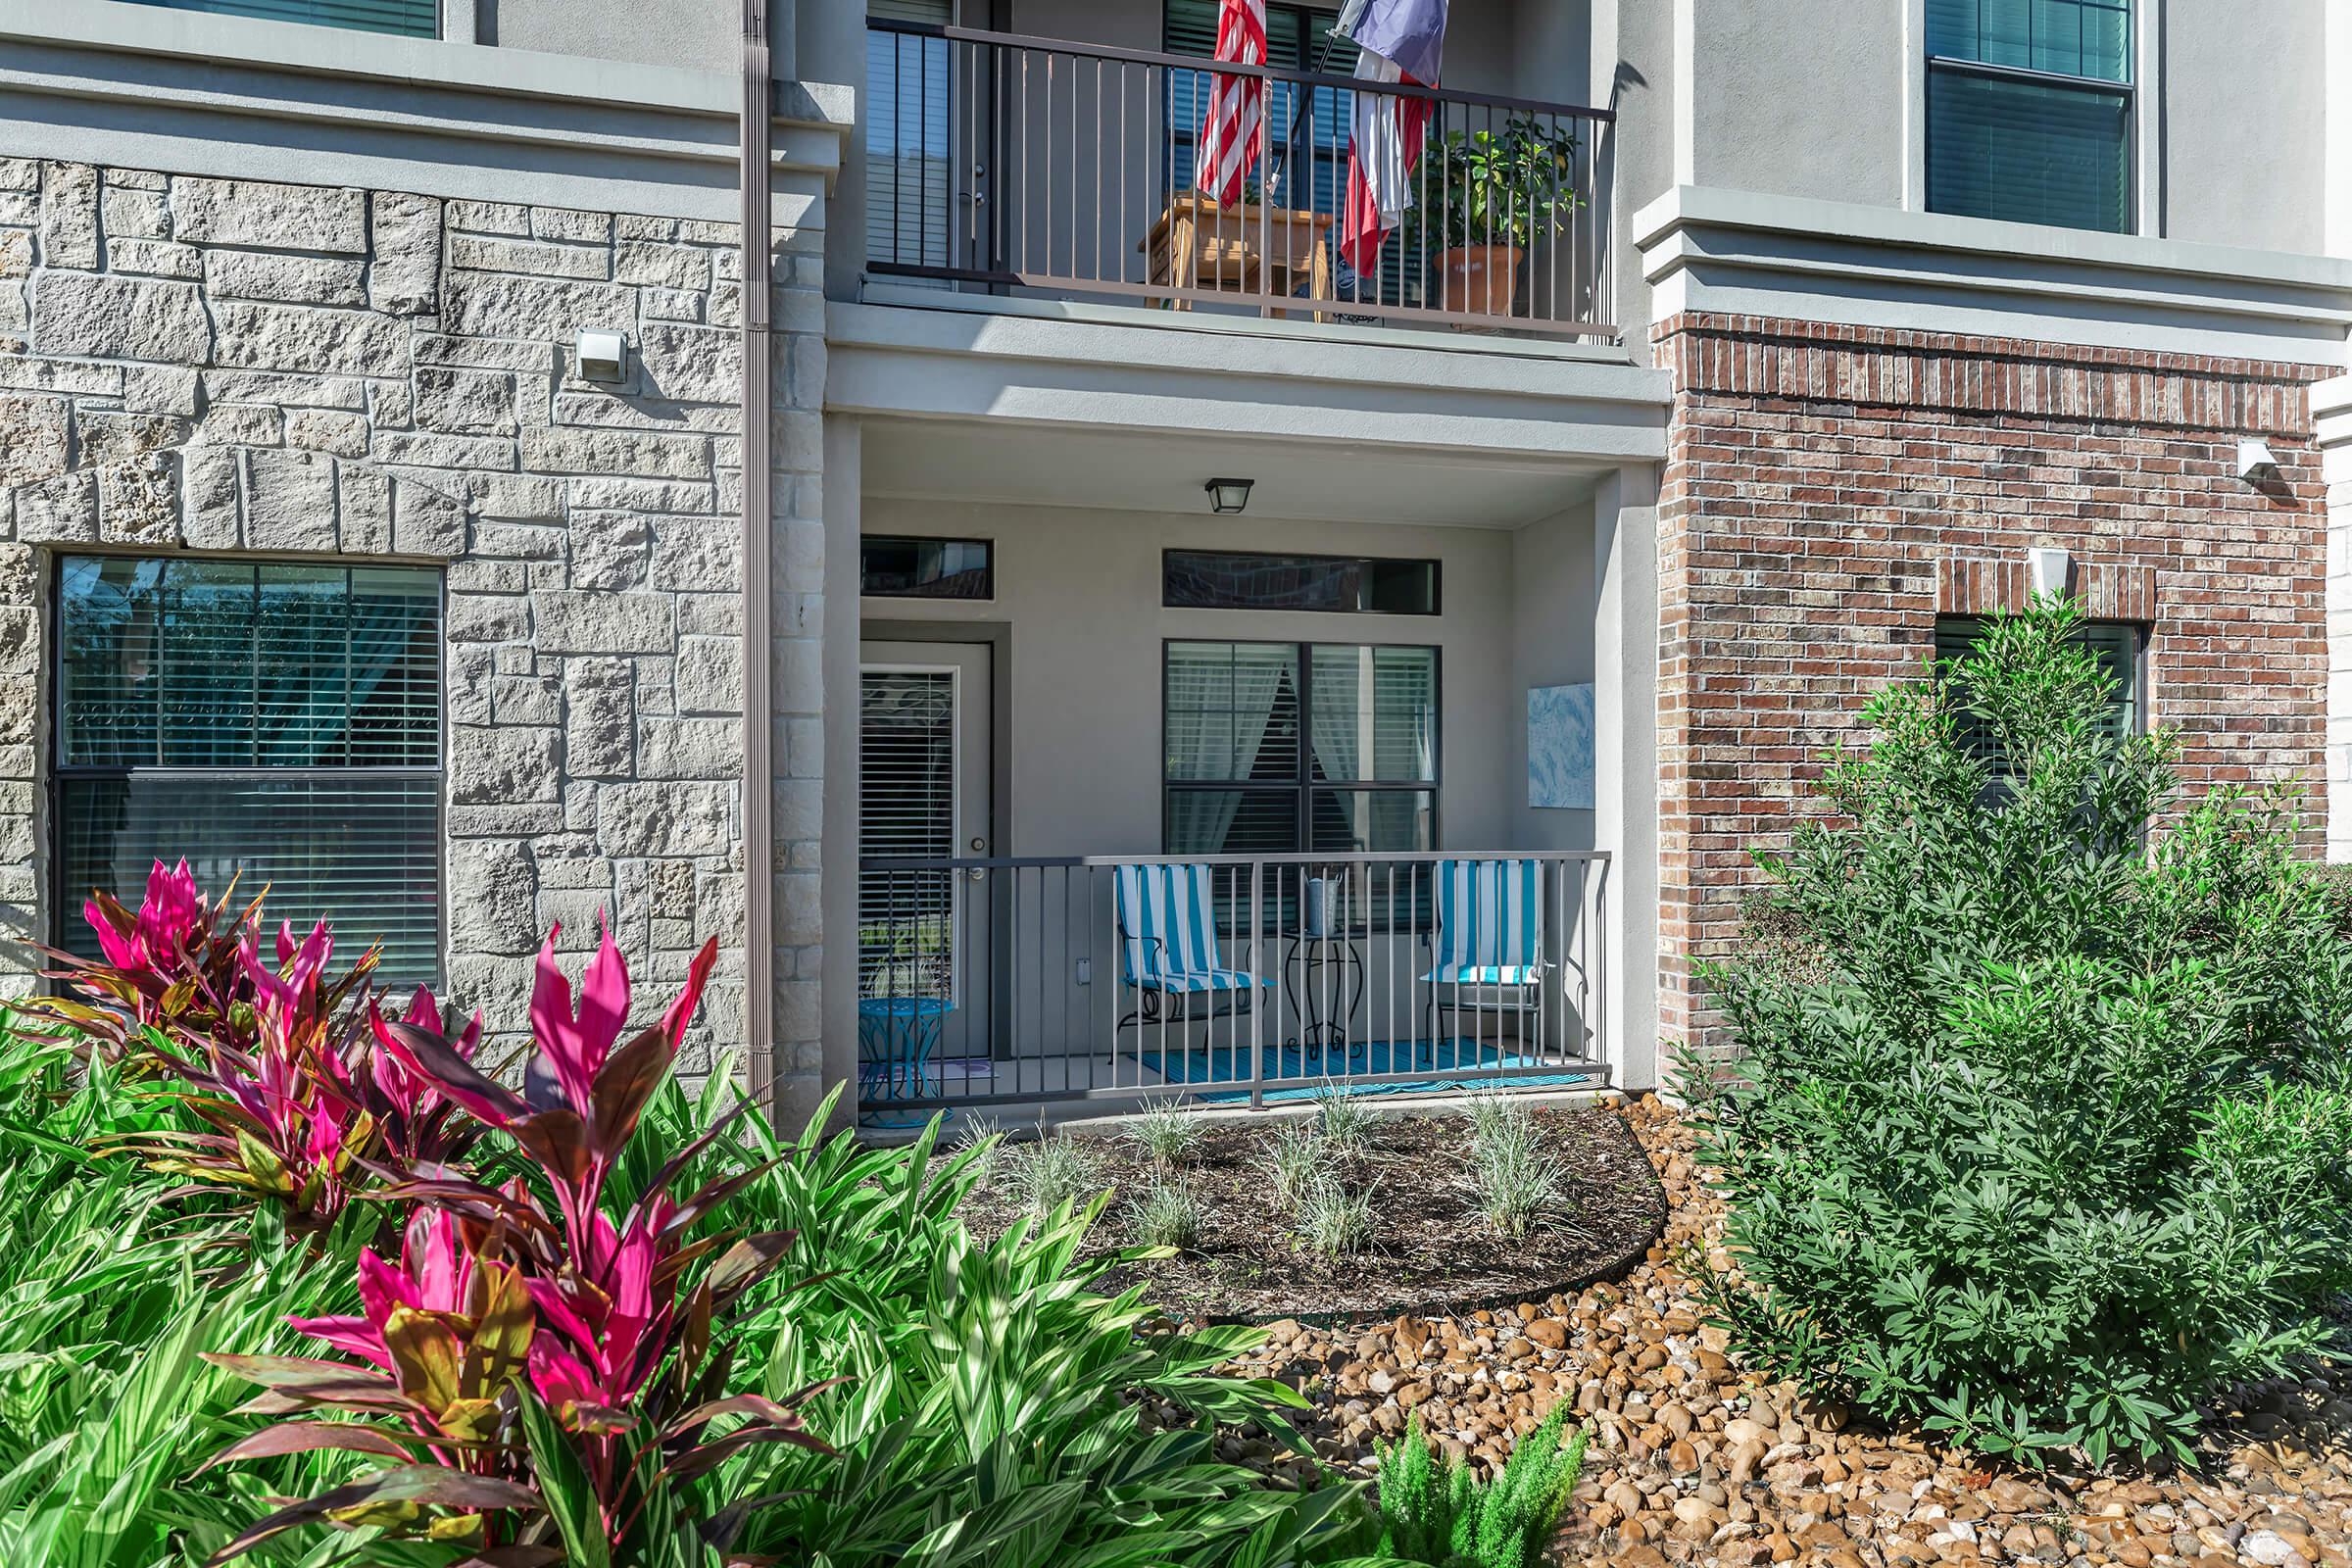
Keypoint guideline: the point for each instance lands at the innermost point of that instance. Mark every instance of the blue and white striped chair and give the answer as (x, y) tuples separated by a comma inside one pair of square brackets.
[(1490, 937), (1168, 946)]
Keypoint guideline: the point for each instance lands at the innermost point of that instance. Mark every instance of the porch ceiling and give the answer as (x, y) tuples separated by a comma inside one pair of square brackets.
[(995, 462)]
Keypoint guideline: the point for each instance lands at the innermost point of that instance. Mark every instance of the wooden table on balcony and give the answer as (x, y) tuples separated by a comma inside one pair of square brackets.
[(1198, 245)]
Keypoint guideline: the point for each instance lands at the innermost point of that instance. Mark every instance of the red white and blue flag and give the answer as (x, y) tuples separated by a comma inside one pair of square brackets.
[(1397, 41), (1237, 105)]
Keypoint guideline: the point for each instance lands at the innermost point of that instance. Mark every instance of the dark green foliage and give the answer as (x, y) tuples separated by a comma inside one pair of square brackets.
[(2037, 1131), (1445, 1516)]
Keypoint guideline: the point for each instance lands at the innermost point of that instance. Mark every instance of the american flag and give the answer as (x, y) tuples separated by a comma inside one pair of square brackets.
[(1237, 105), (1399, 41)]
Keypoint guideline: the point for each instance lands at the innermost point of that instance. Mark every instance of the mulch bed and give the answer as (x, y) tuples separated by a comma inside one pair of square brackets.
[(1432, 1253)]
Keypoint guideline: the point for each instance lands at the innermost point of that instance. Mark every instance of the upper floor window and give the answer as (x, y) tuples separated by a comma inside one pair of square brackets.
[(2030, 110), (1251, 579), (415, 19), (278, 722)]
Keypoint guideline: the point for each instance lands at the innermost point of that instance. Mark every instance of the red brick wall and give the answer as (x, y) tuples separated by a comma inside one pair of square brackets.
[(1829, 490)]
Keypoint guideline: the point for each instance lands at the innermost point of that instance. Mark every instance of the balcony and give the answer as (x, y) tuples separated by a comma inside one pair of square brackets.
[(1013, 166)]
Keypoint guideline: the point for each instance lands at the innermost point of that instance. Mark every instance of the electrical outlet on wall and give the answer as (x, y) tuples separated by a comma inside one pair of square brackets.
[(1086, 971)]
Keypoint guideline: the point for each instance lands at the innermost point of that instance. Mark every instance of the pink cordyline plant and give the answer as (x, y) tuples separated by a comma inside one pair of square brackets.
[(597, 1320)]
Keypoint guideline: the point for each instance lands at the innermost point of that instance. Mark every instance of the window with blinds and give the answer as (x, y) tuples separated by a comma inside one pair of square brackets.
[(2116, 645), (2030, 110), (908, 134), (276, 722), (415, 19), (1289, 748), (905, 810)]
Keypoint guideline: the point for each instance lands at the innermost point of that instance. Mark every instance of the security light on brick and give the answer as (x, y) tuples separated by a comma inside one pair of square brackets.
[(2256, 462), (2046, 570)]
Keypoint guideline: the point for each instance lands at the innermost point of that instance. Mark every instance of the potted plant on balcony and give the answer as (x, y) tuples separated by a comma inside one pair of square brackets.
[(1489, 197)]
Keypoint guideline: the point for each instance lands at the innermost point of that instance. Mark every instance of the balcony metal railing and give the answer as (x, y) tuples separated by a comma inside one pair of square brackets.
[(1011, 982), (1013, 163)]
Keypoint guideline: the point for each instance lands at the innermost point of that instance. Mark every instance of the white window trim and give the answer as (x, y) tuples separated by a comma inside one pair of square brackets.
[(2147, 112)]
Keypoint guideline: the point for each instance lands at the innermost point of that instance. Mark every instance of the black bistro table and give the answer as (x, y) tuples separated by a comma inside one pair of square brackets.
[(1321, 968)]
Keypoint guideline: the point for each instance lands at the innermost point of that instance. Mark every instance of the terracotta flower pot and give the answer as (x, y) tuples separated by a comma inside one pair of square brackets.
[(1481, 280)]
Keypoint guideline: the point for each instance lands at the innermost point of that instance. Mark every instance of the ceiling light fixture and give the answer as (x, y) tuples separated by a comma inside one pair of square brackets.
[(1229, 495)]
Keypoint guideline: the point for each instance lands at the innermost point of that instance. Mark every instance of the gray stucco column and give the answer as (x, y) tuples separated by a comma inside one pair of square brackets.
[(1625, 673), (844, 483), (2332, 423)]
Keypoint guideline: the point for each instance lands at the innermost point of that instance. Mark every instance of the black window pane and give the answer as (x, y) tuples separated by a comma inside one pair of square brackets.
[(107, 665), (1234, 579), (361, 851), (395, 624), (2027, 151), (1233, 821), (207, 672), (927, 568), (1374, 715), (1232, 712), (2067, 38), (1372, 822)]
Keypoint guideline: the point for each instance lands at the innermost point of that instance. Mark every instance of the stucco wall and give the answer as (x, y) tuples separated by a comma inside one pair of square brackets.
[(2245, 122), (707, 33), (1081, 591), (1554, 591), (252, 369)]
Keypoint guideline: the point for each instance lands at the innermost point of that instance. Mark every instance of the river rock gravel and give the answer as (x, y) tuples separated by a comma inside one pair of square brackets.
[(1694, 1459)]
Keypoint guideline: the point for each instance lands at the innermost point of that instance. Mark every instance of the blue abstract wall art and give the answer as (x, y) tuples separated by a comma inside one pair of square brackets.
[(1559, 748)]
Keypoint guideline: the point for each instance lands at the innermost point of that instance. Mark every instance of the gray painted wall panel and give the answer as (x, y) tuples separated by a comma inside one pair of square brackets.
[(2245, 122)]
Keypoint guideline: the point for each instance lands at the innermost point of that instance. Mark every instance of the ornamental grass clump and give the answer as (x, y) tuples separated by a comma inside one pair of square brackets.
[(2036, 1129), (1519, 1180), (1168, 1215), (1050, 1174), (1335, 1221), (1345, 1121), (1298, 1160), (1167, 1132), (1446, 1517)]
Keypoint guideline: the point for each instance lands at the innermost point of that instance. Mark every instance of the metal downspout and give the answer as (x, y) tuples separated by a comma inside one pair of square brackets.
[(758, 731)]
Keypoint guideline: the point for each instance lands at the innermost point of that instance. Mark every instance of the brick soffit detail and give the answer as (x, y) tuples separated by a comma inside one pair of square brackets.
[(1814, 362)]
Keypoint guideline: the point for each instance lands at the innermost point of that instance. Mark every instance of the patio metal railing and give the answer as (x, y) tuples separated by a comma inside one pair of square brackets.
[(1013, 163), (1026, 982)]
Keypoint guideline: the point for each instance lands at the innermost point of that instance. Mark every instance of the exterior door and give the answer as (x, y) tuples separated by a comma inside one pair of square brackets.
[(924, 926)]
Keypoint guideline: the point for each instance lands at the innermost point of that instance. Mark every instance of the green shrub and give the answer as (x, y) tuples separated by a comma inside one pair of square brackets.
[(2035, 1128), (1447, 1517)]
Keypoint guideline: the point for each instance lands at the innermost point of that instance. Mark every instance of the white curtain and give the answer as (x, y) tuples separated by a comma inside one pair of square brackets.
[(1210, 742)]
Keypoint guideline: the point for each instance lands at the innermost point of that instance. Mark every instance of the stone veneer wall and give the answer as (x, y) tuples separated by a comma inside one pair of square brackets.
[(206, 364), (1829, 491)]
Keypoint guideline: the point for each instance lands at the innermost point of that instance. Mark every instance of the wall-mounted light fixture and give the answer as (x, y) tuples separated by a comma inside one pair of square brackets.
[(600, 355), (2256, 462), (2046, 570), (1229, 495)]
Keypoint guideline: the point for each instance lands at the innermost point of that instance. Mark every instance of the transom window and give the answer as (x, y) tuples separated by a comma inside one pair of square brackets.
[(415, 19), (2030, 110), (278, 722), (1291, 748), (1245, 579), (895, 567)]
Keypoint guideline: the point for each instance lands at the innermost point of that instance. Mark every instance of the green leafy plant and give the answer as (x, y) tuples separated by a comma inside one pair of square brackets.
[(1169, 1215), (1167, 1132), (2036, 1127), (1334, 1221), (1507, 185), (1445, 1516)]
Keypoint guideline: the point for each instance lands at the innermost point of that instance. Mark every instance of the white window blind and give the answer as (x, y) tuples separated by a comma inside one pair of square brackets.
[(905, 810), (415, 19)]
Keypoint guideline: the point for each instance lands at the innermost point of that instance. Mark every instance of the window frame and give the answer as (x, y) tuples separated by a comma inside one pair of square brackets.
[(2128, 88), (986, 547), (444, 14), (1304, 788), (65, 903), (1436, 583), (2141, 633)]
